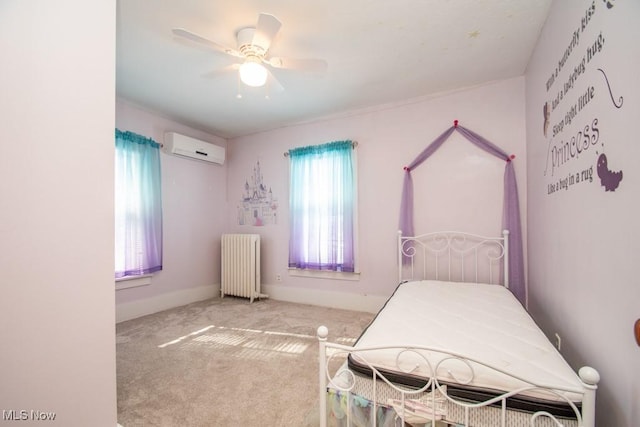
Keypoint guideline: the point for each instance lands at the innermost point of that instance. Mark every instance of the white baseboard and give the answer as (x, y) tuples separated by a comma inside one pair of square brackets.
[(143, 307), (342, 300)]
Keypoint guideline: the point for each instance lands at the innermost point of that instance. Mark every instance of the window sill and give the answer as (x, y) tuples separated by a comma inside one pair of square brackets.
[(322, 274), (132, 282)]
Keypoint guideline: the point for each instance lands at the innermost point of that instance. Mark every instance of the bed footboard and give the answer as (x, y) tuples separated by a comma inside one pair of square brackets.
[(432, 403)]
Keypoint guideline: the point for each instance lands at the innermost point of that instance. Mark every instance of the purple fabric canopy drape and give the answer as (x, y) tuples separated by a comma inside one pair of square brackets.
[(511, 207)]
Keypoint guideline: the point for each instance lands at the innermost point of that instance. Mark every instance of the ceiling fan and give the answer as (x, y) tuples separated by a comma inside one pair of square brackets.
[(252, 53)]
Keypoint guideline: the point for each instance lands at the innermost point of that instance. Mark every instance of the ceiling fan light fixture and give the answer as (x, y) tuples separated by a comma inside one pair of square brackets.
[(253, 73)]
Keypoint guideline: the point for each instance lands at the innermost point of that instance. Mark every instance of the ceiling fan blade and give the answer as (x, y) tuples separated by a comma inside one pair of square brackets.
[(266, 30), (273, 85), (317, 66), (214, 74), (181, 32)]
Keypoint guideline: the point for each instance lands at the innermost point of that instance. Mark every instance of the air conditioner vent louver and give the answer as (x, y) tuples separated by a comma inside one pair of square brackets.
[(185, 146)]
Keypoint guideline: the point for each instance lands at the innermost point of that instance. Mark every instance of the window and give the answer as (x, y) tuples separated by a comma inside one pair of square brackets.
[(322, 207), (138, 206)]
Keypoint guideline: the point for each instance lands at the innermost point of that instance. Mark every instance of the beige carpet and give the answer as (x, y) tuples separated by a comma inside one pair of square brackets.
[(225, 362)]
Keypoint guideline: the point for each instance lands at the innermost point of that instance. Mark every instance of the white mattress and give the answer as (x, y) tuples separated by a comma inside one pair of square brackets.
[(479, 321)]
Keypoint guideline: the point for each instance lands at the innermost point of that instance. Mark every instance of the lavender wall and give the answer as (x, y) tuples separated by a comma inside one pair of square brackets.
[(460, 187), (584, 233), (194, 217), (56, 220)]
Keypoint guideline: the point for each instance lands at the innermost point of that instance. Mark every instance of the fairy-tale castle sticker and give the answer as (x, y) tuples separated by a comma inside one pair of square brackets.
[(575, 143), (258, 206)]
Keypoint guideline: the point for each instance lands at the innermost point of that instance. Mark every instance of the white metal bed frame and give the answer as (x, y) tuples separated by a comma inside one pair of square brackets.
[(416, 251), (412, 259)]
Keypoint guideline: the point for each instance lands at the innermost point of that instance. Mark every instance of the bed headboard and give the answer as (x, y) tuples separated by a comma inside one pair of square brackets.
[(454, 256)]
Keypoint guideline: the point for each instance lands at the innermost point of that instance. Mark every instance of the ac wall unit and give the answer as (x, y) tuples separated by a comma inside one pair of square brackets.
[(185, 146)]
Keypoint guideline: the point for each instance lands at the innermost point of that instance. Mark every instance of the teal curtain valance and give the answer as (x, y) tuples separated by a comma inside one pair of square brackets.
[(329, 147), (134, 137)]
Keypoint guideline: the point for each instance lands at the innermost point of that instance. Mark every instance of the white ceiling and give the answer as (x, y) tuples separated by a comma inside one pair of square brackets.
[(378, 52)]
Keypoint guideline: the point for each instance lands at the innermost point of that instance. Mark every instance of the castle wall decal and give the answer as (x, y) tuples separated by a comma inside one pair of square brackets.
[(258, 206)]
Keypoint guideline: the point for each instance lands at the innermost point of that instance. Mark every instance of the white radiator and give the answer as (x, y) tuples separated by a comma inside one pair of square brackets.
[(241, 266)]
